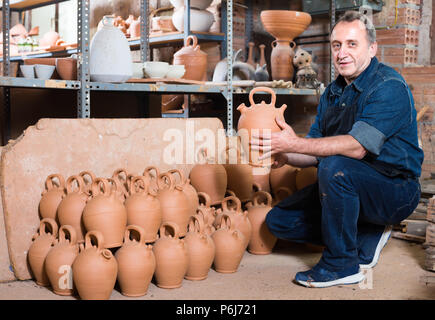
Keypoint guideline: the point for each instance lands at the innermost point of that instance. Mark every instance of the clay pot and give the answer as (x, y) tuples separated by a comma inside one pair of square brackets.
[(188, 190), (229, 246), (134, 28), (136, 263), (41, 245), (262, 241), (209, 177), (67, 68), (200, 250), (152, 177), (305, 177), (193, 59), (162, 23), (261, 177), (49, 39), (143, 208), (281, 60), (60, 259), (200, 20), (52, 196), (262, 61), (18, 30), (239, 218), (171, 257), (88, 177), (284, 176), (260, 119), (95, 269), (239, 177), (285, 24), (201, 214), (250, 59), (122, 180), (205, 207), (71, 207), (104, 212), (173, 203)]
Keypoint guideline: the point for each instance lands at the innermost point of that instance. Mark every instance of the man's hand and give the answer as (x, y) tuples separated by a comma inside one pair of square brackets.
[(279, 160)]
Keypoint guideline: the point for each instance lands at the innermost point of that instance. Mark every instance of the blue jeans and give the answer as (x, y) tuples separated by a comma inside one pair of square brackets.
[(354, 200)]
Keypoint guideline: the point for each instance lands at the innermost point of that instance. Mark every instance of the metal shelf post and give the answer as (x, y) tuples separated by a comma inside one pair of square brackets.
[(83, 39), (229, 89), (6, 117)]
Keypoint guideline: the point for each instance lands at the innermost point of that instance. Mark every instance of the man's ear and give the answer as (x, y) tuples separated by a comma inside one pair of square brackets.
[(373, 49)]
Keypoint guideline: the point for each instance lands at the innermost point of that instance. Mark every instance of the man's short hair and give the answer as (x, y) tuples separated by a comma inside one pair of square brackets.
[(350, 16)]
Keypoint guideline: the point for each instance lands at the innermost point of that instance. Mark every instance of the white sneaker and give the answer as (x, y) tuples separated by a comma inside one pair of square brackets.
[(381, 244)]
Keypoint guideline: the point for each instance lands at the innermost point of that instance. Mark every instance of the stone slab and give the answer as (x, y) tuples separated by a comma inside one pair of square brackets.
[(6, 273), (69, 146)]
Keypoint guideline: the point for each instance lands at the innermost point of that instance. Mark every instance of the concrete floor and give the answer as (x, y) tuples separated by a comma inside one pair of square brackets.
[(398, 275)]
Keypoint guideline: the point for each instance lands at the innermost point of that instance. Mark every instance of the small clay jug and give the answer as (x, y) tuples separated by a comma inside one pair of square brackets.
[(188, 190), (136, 263), (148, 173), (105, 212), (88, 177), (250, 59), (201, 214), (193, 59), (122, 179), (305, 177), (71, 207), (262, 241), (171, 257), (229, 246), (239, 218), (143, 208), (281, 60), (173, 202), (205, 207), (200, 250), (52, 196), (284, 176), (209, 177), (95, 269), (41, 245), (60, 259), (258, 118), (262, 61), (239, 176)]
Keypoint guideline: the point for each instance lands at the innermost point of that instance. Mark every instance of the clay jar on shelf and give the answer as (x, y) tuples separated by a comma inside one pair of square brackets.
[(136, 263), (281, 60), (105, 212), (60, 259), (41, 245), (200, 250), (95, 269), (52, 196), (143, 208), (193, 59), (262, 241), (171, 257)]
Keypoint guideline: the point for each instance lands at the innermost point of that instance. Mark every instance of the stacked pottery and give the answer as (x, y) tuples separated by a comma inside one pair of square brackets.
[(258, 119), (262, 241), (105, 212), (58, 263), (152, 177), (193, 59), (51, 196), (88, 177), (229, 246), (173, 202), (207, 220), (122, 180), (200, 250), (41, 245), (171, 257), (283, 177), (205, 207), (305, 177), (95, 269), (143, 208), (71, 207), (188, 190), (209, 177), (136, 263)]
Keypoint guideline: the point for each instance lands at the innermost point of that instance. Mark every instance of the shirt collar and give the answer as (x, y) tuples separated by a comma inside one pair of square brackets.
[(360, 83)]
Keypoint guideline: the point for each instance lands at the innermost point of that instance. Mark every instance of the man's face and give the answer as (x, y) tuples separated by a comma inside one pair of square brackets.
[(351, 49)]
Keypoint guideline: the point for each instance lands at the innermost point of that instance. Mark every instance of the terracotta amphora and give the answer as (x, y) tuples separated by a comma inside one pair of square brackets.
[(105, 212), (173, 202), (201, 214), (284, 176), (136, 263), (58, 263), (260, 119), (239, 218), (281, 60), (193, 59), (71, 207), (52, 196), (209, 212), (188, 190), (88, 177), (305, 177), (239, 176), (229, 246), (261, 177), (171, 257), (153, 177), (200, 250), (41, 245), (122, 179), (209, 177), (95, 269), (143, 208), (262, 241)]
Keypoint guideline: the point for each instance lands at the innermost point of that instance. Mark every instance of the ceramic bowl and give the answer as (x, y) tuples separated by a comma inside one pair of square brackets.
[(155, 69), (137, 70), (44, 71), (67, 68), (200, 20), (176, 71), (198, 4), (28, 71)]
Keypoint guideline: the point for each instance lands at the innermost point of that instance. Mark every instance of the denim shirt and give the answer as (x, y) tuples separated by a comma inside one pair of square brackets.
[(385, 122)]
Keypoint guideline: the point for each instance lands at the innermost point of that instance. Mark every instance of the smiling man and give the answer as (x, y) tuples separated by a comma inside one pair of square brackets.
[(364, 143)]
